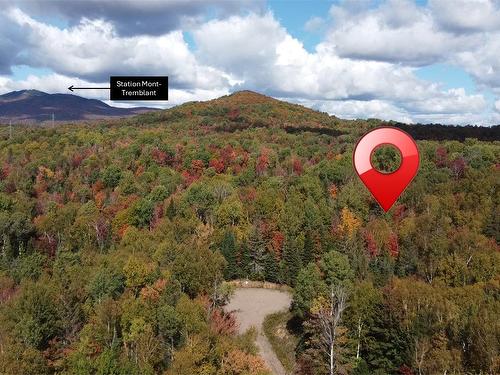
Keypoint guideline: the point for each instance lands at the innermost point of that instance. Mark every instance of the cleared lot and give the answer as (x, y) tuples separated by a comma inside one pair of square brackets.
[(251, 306)]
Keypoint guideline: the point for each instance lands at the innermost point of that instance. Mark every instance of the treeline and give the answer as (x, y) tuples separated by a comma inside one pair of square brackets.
[(438, 132)]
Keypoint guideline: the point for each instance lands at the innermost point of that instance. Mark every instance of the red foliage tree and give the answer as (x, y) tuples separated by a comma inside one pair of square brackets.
[(140, 170), (262, 162), (5, 171), (227, 154), (333, 190), (371, 245), (236, 169), (457, 167), (7, 288), (248, 195), (393, 245), (188, 178), (159, 156), (233, 114), (405, 370), (76, 160), (298, 169), (441, 157), (97, 187), (157, 216), (222, 323), (277, 240), (218, 165), (399, 212), (99, 198), (48, 245), (197, 167), (102, 230), (10, 187)]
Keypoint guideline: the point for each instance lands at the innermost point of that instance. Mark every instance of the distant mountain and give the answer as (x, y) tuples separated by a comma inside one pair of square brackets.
[(29, 106)]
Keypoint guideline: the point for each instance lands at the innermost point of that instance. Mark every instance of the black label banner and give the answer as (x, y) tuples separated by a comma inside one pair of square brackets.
[(138, 88)]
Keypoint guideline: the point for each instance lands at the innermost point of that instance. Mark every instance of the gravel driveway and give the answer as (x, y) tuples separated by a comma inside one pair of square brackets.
[(251, 306)]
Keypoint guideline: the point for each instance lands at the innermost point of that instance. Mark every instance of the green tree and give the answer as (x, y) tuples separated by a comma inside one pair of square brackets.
[(142, 212), (35, 316), (256, 254), (197, 268), (111, 176), (309, 286), (336, 269), (292, 260), (106, 282), (229, 250)]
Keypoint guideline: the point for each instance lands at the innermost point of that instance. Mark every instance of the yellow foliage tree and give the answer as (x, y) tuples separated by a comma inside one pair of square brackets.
[(349, 223)]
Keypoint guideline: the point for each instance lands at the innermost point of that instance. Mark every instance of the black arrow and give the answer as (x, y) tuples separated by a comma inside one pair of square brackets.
[(71, 88)]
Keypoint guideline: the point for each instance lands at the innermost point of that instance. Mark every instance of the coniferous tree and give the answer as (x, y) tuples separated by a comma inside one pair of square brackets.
[(171, 210), (228, 248), (271, 268), (292, 261), (257, 254), (308, 253)]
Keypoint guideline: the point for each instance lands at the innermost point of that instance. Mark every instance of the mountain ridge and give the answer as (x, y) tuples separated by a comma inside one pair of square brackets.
[(34, 106)]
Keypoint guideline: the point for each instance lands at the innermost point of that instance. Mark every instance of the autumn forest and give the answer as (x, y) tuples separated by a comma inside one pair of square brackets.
[(117, 239)]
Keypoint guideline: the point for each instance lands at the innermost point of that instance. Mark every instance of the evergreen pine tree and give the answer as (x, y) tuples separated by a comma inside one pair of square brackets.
[(228, 248), (292, 260), (308, 253), (171, 211), (492, 227), (257, 253), (271, 268), (244, 260)]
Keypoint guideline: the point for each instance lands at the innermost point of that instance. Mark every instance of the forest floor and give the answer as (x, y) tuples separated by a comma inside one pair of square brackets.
[(251, 306)]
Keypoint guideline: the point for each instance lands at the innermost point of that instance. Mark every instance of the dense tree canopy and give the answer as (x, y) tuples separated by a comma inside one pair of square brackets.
[(115, 239)]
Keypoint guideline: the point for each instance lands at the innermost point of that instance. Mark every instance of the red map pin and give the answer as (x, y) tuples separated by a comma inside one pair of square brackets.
[(386, 187)]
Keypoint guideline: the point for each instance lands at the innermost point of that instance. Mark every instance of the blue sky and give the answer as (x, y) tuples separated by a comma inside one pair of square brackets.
[(294, 18), (412, 61)]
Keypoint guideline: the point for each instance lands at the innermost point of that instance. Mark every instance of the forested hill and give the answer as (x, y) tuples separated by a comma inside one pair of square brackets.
[(245, 109), (242, 110), (116, 237)]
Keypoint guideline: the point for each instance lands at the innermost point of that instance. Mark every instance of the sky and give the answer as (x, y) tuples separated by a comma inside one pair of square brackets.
[(425, 61)]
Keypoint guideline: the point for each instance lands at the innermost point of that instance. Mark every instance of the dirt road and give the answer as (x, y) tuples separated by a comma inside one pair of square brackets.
[(251, 306)]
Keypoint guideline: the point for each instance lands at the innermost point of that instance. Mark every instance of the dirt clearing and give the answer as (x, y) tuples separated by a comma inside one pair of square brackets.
[(251, 306)]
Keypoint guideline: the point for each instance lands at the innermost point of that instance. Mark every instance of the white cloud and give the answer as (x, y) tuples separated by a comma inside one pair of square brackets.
[(483, 119), (387, 110), (93, 50), (364, 68), (242, 45), (53, 83), (483, 62), (137, 17), (314, 24), (448, 102), (465, 33), (275, 62), (353, 109), (497, 105), (56, 83), (466, 15), (396, 31)]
